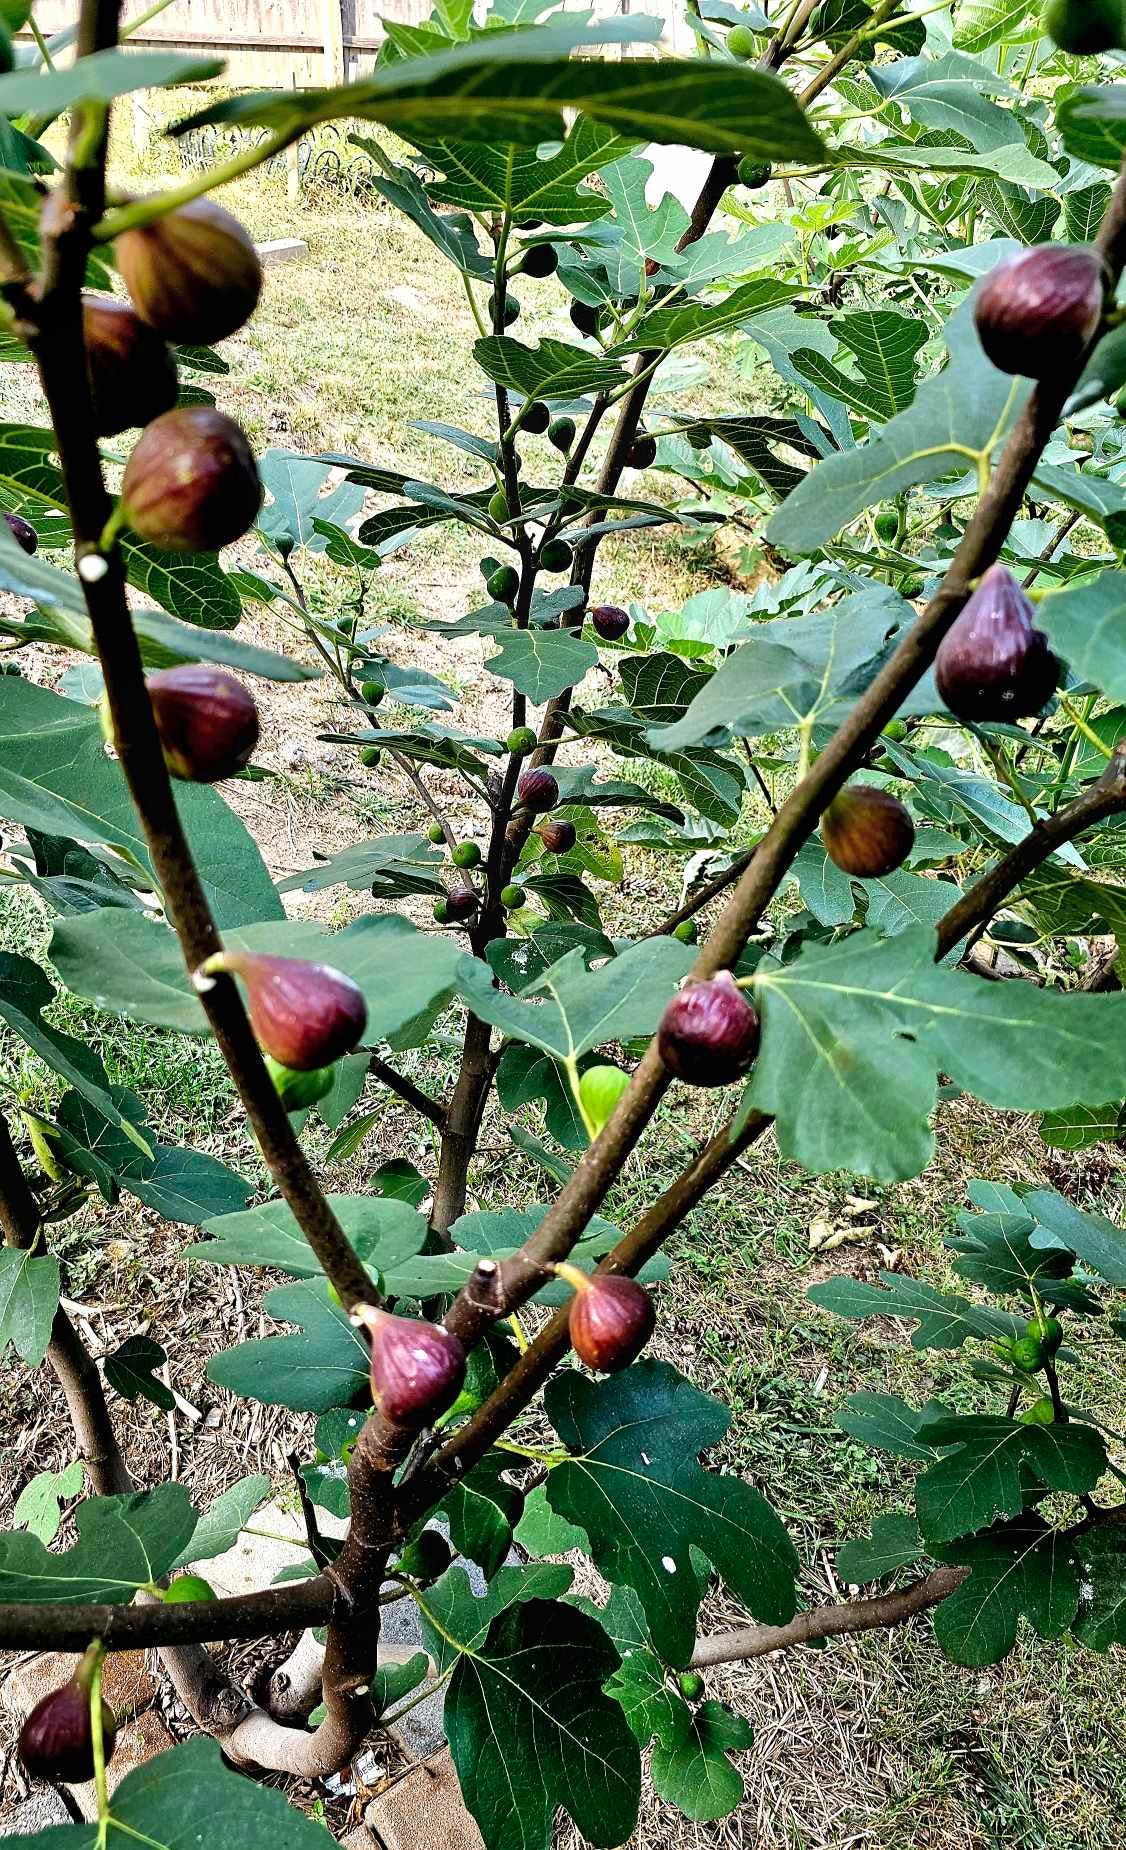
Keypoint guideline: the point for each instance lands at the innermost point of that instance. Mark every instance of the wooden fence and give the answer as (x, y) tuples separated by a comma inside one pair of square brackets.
[(276, 43)]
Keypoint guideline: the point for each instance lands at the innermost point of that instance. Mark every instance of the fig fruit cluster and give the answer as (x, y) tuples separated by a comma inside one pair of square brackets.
[(709, 1033), (304, 1015), (993, 663), (611, 1318), (1037, 312)]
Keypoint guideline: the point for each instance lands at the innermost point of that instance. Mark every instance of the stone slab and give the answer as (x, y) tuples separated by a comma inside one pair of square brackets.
[(126, 1683), (425, 1807), (43, 1809), (137, 1742), (282, 250)]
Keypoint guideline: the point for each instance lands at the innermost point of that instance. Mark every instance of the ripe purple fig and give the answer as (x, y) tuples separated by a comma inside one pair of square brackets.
[(304, 1015), (866, 831), (1039, 310), (557, 835), (611, 1318), (22, 532), (993, 663), (57, 1738), (132, 372), (461, 902), (709, 1032), (194, 274), (416, 1368), (537, 790), (208, 723), (610, 621), (191, 484)]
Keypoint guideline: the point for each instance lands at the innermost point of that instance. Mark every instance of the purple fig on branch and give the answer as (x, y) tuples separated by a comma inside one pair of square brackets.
[(611, 1318), (193, 275), (208, 723), (709, 1032), (56, 1741), (303, 1015), (191, 484), (993, 663), (866, 831), (1038, 311), (417, 1368), (132, 372)]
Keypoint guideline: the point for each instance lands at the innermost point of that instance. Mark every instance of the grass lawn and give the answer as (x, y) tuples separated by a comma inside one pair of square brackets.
[(877, 1742)]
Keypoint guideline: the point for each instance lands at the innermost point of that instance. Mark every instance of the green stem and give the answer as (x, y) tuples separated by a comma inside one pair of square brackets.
[(1081, 726), (98, 1734)]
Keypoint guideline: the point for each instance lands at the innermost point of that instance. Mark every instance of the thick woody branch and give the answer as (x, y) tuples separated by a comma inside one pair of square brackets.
[(859, 1615), (67, 1627)]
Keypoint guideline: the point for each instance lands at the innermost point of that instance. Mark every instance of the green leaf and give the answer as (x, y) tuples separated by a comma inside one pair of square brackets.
[(390, 866), (123, 1543), (569, 1010), (182, 1185), (481, 1510), (221, 1525), (483, 177), (1086, 625), (542, 663), (55, 777), (384, 1233), (37, 1506), (1092, 123), (99, 79), (883, 344), (889, 1424), (134, 967), (298, 491), (895, 1542), (1093, 1239), (24, 993), (690, 1768), (854, 1035), (553, 369), (1020, 1568), (187, 1797), (325, 1366), (946, 1321), (529, 1727), (542, 1532), (392, 1682), (996, 1250), (29, 1298), (515, 89), (956, 415), (982, 23), (672, 327), (794, 670), (635, 1485), (1078, 1127), (1102, 1596), (131, 1370), (983, 1477)]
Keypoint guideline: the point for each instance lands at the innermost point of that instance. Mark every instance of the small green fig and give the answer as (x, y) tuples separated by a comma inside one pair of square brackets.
[(297, 1090), (556, 556), (521, 739), (690, 1685), (687, 931), (600, 1088), (887, 525), (466, 854), (536, 418), (370, 756), (503, 584), (741, 42), (372, 692), (584, 317), (754, 174), (1041, 1413), (512, 898), (436, 833), (1047, 1331), (188, 1590), (498, 506), (561, 433), (1027, 1353)]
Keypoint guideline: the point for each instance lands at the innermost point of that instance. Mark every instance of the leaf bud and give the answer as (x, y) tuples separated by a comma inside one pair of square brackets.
[(207, 722), (193, 275), (709, 1032), (191, 484), (305, 1015)]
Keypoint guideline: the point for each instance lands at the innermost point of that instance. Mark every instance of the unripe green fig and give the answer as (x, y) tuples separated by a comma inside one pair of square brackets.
[(504, 583), (466, 854), (642, 453), (305, 1015), (540, 260), (709, 1033), (1041, 1413), (442, 913), (741, 42), (512, 898), (611, 1318), (1085, 27), (370, 756), (193, 275), (1038, 311), (188, 1590), (691, 1685), (521, 739), (297, 1090), (1027, 1353), (131, 369), (536, 418), (887, 524), (556, 556), (1047, 1331), (561, 433), (207, 722), (600, 1088), (498, 505), (895, 730), (510, 311), (191, 484), (911, 586), (753, 174), (867, 832), (687, 931), (436, 833), (372, 692)]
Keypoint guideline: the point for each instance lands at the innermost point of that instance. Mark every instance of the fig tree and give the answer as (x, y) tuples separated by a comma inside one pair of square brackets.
[(993, 663), (709, 1032), (1038, 311), (191, 483), (305, 1015), (132, 372), (611, 1318), (193, 275), (207, 722), (867, 832)]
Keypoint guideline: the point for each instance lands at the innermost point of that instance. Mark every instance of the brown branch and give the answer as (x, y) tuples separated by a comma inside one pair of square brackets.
[(65, 1626), (428, 1107), (858, 1615)]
